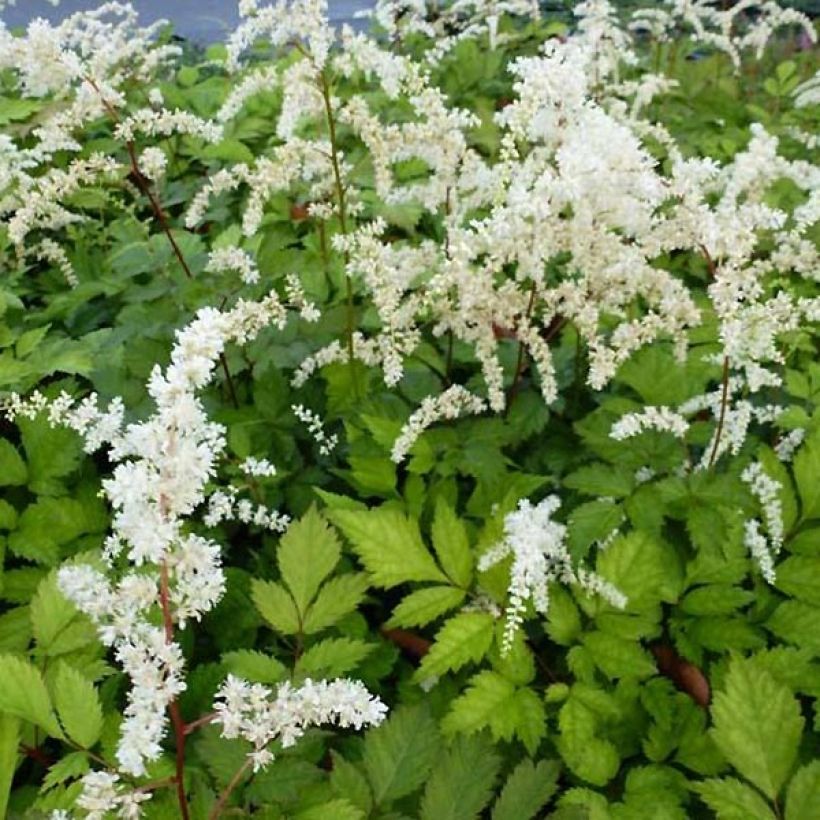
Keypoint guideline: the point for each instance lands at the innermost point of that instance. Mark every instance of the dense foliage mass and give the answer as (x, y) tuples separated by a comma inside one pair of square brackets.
[(413, 424)]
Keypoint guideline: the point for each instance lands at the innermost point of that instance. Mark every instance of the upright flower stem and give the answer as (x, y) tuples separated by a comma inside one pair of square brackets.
[(173, 707), (161, 217), (519, 365), (216, 811), (724, 400), (324, 87)]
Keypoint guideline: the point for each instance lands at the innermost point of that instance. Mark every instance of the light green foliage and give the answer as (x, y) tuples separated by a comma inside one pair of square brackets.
[(399, 755), (757, 726), (698, 700), (23, 694), (526, 790), (78, 706), (462, 782)]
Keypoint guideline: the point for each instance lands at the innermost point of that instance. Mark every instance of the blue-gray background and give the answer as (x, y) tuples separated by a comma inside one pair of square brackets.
[(202, 20)]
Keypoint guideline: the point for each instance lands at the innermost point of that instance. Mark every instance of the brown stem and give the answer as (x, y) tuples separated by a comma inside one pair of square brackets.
[(216, 811), (191, 727), (324, 87), (159, 214), (519, 365), (724, 400), (173, 706)]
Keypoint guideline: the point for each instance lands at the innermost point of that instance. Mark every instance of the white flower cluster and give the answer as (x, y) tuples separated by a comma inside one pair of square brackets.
[(102, 795), (252, 712), (539, 556), (258, 467), (766, 491), (327, 443), (662, 419), (162, 468), (233, 258), (454, 402)]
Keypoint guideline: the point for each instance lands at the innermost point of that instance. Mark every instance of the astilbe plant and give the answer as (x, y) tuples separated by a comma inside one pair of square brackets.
[(566, 227)]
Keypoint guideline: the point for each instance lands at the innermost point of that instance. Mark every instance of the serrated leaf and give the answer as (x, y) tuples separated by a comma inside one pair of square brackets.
[(24, 695), (797, 622), (563, 617), (757, 726), (732, 800), (492, 701), (52, 453), (715, 599), (307, 554), (338, 597), (462, 781), (389, 545), (486, 694), (643, 568), (799, 576), (333, 657), (51, 612), (339, 809), (276, 606), (527, 790), (78, 706), (69, 767), (348, 781), (803, 794), (254, 666), (9, 744), (399, 754), (592, 521), (464, 638), (452, 545), (423, 606), (618, 657), (806, 467), (591, 757), (13, 471), (601, 480)]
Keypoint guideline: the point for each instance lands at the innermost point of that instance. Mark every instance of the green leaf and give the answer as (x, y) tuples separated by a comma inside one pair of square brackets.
[(24, 695), (399, 754), (307, 554), (592, 521), (732, 800), (618, 657), (757, 726), (51, 612), (486, 695), (590, 757), (52, 453), (78, 706), (337, 598), (461, 784), (799, 576), (452, 545), (423, 606), (643, 568), (806, 468), (9, 744), (493, 701), (347, 781), (803, 794), (276, 606), (254, 666), (74, 765), (389, 545), (797, 622), (338, 809), (464, 638), (563, 617), (527, 790), (601, 480), (13, 469), (333, 657)]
